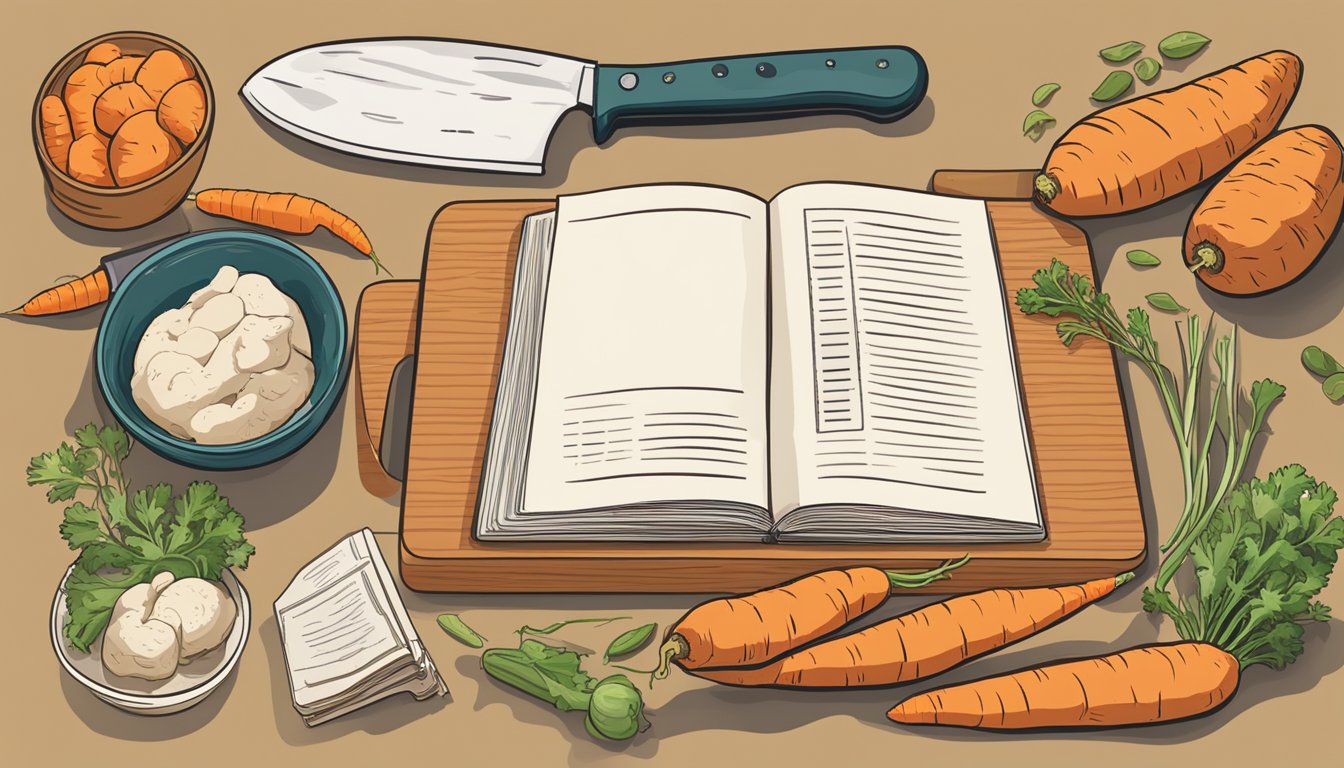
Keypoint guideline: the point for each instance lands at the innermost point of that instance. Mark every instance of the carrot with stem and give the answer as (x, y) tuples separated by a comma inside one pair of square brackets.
[(286, 212), (925, 642), (754, 628), (1265, 554)]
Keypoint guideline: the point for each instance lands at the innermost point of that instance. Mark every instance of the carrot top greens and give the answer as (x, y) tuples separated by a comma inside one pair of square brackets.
[(1267, 551), (1060, 293)]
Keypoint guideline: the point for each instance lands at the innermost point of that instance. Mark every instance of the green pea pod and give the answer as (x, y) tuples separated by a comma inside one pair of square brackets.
[(549, 674), (616, 710), (1147, 68), (459, 631), (1319, 362), (1181, 45), (1115, 84), (1121, 52), (629, 642)]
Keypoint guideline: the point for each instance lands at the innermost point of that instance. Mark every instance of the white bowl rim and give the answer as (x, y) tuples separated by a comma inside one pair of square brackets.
[(145, 701)]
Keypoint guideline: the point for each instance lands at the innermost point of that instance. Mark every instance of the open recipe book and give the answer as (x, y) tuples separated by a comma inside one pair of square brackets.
[(691, 363)]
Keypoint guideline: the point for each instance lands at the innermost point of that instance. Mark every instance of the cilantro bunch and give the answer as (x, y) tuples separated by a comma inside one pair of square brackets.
[(1267, 551), (125, 539), (1060, 293)]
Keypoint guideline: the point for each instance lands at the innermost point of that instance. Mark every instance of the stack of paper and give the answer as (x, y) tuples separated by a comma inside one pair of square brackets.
[(347, 638)]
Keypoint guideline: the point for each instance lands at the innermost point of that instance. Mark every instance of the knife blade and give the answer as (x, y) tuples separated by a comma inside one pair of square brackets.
[(461, 104)]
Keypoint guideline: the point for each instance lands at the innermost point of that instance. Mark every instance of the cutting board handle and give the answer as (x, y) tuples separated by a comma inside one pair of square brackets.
[(988, 185), (384, 375)]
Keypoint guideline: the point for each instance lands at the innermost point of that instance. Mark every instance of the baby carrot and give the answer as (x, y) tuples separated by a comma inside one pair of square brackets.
[(295, 214), (923, 642), (76, 294)]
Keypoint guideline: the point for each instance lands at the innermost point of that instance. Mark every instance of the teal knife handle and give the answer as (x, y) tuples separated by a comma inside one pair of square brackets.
[(881, 84)]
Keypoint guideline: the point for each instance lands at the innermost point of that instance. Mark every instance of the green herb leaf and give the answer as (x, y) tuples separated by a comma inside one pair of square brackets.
[(1115, 85), (557, 626), (459, 631), (64, 470), (82, 526), (629, 642), (545, 672), (1147, 68), (1043, 93), (1319, 362), (1333, 387), (1164, 302), (1181, 45), (1141, 258), (1036, 124), (1121, 52)]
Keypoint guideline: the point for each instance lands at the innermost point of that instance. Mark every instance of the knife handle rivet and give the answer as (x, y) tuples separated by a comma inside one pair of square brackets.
[(719, 70), (830, 63), (669, 77), (765, 69), (628, 81), (881, 63)]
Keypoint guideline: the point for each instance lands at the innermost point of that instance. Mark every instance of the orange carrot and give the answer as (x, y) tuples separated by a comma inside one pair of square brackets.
[(79, 293), (754, 628), (286, 212), (924, 642), (1148, 684), (56, 132), (1148, 149)]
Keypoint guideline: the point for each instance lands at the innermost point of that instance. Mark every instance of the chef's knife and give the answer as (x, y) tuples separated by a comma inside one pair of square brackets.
[(459, 104)]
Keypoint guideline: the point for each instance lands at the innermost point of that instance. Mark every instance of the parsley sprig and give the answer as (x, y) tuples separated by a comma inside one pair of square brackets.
[(1060, 293), (125, 539), (1266, 552)]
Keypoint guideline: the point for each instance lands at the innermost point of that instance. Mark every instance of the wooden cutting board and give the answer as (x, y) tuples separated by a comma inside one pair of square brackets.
[(1085, 470)]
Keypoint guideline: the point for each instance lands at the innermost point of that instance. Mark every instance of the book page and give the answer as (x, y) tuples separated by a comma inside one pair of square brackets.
[(651, 384), (894, 372)]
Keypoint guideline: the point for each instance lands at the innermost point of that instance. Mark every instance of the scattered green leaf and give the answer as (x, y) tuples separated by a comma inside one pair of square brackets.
[(1115, 85), (1121, 52), (1043, 93), (1181, 45), (629, 642), (1036, 124), (1333, 387), (1164, 302), (1141, 258), (1147, 68), (557, 626), (1320, 362), (459, 631), (126, 540)]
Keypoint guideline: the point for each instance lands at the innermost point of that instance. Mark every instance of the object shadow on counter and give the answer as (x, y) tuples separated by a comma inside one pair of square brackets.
[(175, 223), (915, 122), (1306, 305), (378, 718), (107, 720), (263, 495), (1110, 236)]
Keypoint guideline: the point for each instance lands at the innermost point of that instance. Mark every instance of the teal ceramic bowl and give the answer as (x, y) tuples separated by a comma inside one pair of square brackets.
[(165, 280)]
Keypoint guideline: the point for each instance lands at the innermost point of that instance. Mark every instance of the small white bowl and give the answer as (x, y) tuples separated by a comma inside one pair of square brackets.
[(192, 683)]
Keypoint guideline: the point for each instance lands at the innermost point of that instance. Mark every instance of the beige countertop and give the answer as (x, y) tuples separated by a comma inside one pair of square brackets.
[(985, 60)]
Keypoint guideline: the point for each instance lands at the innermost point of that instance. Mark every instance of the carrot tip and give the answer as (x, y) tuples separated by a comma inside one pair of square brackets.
[(675, 648), (1124, 578), (1046, 187)]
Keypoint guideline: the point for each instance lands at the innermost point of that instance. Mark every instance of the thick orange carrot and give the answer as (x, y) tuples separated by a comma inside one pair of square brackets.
[(1270, 218), (286, 212), (1148, 149), (752, 629), (56, 132), (67, 297), (1149, 684), (923, 642)]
